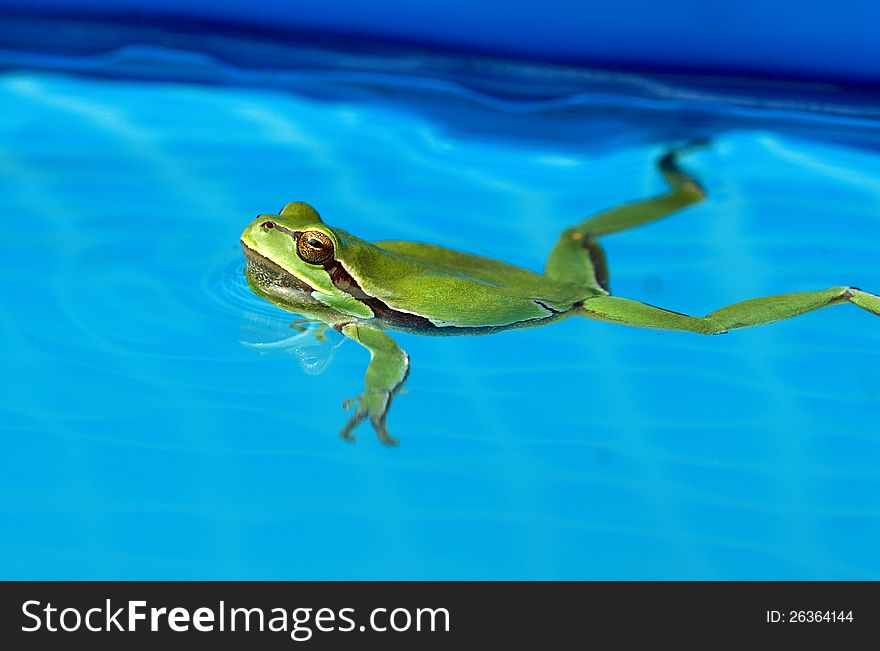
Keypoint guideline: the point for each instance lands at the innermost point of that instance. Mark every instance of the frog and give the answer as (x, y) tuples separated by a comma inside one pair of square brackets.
[(365, 290)]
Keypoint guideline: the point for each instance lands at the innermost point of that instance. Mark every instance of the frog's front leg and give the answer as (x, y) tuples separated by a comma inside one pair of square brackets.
[(320, 331), (388, 370)]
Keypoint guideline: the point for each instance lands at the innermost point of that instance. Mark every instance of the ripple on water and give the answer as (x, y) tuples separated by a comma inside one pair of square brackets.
[(265, 328)]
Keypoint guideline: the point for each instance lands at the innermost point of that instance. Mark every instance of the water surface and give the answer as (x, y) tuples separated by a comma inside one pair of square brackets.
[(144, 439)]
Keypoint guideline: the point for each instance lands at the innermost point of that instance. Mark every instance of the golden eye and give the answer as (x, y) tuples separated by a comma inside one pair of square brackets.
[(314, 247)]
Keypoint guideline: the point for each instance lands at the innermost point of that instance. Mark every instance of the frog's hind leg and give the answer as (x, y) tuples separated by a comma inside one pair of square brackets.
[(579, 258), (756, 311)]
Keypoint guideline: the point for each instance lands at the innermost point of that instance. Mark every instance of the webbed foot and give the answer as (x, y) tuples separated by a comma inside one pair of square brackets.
[(373, 405)]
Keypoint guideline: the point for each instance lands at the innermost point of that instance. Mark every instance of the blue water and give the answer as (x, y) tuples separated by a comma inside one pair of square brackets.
[(809, 39), (156, 425)]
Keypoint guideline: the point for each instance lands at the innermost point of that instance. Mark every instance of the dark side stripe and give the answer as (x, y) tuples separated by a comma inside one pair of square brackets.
[(344, 281)]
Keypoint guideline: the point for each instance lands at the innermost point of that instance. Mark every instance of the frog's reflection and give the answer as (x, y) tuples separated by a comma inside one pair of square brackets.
[(311, 342)]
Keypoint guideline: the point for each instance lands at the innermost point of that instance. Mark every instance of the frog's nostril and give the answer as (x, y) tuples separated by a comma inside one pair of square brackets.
[(268, 224)]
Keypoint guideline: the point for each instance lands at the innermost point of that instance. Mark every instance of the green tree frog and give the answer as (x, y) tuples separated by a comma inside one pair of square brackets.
[(364, 289)]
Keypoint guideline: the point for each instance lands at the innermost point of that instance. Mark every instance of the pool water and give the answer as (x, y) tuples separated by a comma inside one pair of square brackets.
[(159, 423)]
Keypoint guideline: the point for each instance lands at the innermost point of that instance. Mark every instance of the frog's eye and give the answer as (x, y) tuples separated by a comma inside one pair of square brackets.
[(314, 247)]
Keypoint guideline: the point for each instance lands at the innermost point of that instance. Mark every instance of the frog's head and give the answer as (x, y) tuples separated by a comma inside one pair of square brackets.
[(290, 249)]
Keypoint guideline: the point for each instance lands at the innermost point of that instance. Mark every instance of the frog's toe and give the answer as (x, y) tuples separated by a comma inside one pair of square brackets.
[(382, 432), (346, 433), (367, 406), (359, 415), (348, 403)]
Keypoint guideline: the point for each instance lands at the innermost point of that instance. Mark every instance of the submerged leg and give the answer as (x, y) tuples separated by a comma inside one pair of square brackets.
[(320, 331), (578, 257), (756, 311), (388, 369)]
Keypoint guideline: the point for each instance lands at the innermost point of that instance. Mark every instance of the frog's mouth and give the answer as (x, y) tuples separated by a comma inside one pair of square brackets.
[(264, 273)]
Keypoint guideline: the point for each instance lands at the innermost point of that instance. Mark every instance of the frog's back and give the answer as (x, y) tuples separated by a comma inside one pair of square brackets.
[(482, 268), (456, 287)]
